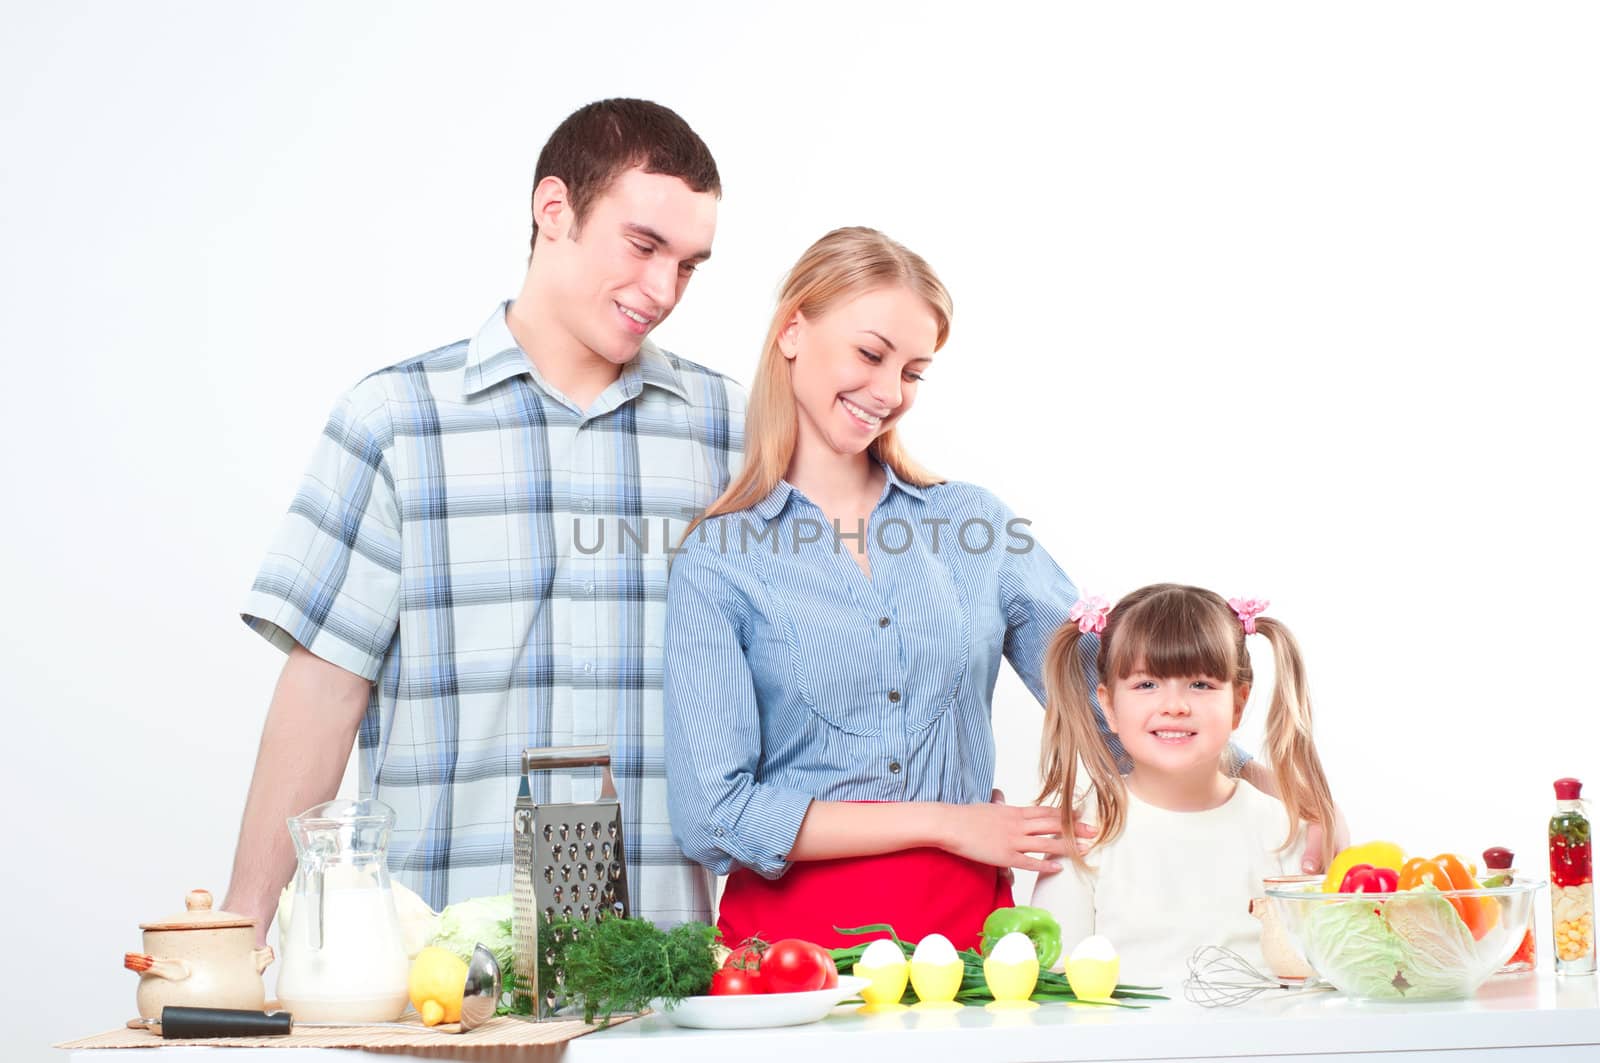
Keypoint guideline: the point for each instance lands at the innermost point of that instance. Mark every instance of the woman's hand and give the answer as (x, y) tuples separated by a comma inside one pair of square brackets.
[(1312, 864), (1260, 776), (1004, 835)]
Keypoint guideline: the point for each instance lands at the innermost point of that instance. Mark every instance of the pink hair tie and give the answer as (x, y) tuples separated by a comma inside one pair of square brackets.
[(1248, 609), (1090, 613)]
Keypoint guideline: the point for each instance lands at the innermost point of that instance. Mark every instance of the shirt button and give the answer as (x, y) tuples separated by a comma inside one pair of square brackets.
[(883, 621), (894, 767), (585, 504), (894, 695), (719, 832), (588, 588), (588, 666)]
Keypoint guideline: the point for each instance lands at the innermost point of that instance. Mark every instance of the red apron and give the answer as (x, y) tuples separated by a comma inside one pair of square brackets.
[(916, 891)]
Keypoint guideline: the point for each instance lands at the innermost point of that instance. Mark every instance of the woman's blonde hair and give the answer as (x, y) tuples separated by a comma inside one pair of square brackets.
[(1169, 630), (843, 264)]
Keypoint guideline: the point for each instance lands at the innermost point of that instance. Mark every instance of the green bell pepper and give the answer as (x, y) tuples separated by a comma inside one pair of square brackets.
[(1040, 926)]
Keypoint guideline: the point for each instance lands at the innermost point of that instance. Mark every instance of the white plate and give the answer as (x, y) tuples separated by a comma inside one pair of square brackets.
[(749, 1011)]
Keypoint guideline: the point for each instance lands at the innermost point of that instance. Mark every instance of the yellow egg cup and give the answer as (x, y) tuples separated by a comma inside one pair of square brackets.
[(885, 986), (936, 985), (1093, 980), (1012, 984)]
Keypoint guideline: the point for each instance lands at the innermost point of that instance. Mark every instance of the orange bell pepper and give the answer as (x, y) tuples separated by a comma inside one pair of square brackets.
[(1485, 912), (1420, 871), (1447, 872)]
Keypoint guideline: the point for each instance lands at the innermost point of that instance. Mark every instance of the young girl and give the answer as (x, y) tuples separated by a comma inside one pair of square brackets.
[(1182, 847)]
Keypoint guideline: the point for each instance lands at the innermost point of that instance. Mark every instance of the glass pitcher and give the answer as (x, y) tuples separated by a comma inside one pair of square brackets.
[(343, 955)]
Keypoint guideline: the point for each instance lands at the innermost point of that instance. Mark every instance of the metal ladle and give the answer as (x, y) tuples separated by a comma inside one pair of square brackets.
[(479, 997)]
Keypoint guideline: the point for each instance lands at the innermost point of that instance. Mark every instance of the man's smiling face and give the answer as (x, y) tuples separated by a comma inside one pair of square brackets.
[(622, 271)]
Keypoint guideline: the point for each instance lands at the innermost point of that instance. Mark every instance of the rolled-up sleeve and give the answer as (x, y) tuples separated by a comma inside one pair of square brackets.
[(723, 816)]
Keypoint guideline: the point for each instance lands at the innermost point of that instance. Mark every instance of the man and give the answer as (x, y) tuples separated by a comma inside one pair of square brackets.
[(476, 560)]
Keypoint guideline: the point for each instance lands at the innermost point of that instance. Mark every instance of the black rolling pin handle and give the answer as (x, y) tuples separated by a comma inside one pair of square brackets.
[(223, 1022)]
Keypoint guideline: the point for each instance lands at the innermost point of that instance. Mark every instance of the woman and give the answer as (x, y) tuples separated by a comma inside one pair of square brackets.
[(834, 629)]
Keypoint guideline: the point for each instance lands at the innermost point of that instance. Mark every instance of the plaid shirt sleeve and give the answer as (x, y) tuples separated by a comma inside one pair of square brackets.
[(331, 578)]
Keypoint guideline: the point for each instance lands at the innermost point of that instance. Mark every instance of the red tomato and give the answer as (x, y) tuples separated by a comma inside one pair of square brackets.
[(746, 957), (731, 981), (795, 966), (829, 969)]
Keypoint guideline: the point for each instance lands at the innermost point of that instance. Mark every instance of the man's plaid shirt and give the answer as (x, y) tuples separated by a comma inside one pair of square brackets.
[(495, 561)]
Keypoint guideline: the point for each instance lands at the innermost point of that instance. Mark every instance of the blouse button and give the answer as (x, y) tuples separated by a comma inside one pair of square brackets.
[(883, 621), (894, 695), (894, 767)]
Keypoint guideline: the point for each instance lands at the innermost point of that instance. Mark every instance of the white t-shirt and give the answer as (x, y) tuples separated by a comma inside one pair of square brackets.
[(1173, 881)]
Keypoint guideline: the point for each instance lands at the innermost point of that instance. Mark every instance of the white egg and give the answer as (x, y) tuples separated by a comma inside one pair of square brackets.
[(1015, 947), (1095, 947), (936, 949), (882, 953)]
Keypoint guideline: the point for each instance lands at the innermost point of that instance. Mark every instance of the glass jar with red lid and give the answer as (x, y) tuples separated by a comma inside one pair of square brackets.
[(1498, 871), (1571, 882)]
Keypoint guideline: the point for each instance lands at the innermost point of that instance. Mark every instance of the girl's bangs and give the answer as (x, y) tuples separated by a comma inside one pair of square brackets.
[(1165, 642)]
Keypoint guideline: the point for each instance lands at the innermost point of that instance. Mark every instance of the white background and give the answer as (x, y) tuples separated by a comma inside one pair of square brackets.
[(1290, 301)]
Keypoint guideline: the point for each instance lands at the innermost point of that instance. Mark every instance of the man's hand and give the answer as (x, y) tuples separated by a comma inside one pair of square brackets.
[(305, 745)]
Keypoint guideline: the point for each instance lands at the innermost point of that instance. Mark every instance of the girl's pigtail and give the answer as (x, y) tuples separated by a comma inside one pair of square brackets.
[(1304, 786), (1072, 735)]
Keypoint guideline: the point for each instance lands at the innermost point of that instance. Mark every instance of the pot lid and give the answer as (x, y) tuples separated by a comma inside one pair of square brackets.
[(199, 916)]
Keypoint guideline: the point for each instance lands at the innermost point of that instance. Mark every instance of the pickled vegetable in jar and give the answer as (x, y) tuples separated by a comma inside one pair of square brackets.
[(1571, 882)]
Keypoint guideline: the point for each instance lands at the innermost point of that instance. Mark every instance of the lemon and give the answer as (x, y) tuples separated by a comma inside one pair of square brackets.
[(438, 979)]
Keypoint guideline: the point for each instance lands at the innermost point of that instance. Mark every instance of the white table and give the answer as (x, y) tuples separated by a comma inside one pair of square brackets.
[(1511, 1020)]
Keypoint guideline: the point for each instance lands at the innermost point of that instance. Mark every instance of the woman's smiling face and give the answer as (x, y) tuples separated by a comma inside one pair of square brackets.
[(856, 367)]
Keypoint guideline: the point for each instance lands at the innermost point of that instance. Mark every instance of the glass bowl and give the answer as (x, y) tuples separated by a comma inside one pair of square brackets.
[(1416, 944)]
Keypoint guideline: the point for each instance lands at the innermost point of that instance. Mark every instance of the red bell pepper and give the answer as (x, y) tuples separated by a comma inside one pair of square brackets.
[(1364, 878)]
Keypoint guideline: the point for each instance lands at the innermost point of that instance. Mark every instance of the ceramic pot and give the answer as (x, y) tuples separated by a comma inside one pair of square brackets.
[(200, 958)]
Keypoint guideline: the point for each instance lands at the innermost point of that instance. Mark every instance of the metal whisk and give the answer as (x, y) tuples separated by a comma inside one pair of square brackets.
[(1221, 978)]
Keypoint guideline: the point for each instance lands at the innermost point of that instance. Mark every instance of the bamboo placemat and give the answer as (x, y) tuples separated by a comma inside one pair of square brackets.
[(499, 1032)]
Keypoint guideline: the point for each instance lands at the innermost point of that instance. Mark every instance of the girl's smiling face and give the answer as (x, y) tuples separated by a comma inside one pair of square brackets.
[(856, 367), (1173, 725)]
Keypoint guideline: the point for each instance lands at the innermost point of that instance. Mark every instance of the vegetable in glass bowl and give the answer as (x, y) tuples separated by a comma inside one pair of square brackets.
[(1412, 944)]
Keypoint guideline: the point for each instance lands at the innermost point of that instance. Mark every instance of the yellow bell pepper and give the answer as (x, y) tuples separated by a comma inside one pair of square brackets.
[(1378, 854)]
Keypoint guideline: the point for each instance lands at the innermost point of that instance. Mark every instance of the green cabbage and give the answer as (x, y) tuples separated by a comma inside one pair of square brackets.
[(483, 921), (1440, 955), (1355, 949), (1412, 946)]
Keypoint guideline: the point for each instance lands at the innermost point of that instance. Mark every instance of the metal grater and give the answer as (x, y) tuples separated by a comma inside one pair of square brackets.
[(569, 863)]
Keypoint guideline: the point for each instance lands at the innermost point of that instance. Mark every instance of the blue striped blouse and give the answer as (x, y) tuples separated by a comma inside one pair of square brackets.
[(790, 676)]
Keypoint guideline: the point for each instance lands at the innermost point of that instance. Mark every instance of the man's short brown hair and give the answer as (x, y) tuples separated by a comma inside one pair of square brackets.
[(598, 143)]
